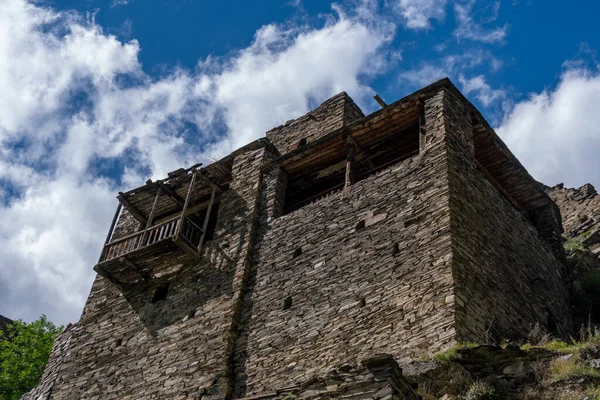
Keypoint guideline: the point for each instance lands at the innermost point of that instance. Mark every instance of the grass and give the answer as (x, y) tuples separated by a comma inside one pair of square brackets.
[(452, 353), (576, 243), (576, 347), (561, 369)]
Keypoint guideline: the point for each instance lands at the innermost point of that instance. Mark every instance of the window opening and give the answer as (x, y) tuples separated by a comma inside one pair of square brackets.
[(160, 293), (337, 166)]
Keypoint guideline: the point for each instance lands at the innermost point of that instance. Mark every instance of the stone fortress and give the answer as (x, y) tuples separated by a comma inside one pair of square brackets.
[(315, 261)]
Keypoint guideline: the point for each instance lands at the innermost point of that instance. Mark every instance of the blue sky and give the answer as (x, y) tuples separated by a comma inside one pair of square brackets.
[(97, 96)]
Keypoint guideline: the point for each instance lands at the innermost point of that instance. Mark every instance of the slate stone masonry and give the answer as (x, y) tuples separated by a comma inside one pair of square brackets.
[(325, 301)]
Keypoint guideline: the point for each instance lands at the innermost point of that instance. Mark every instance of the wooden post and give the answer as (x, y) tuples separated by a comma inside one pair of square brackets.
[(349, 168), (187, 202), (206, 218), (132, 210), (110, 230), (150, 218), (422, 130)]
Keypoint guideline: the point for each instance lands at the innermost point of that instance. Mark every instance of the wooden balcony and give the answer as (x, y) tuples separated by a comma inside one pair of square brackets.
[(136, 256)]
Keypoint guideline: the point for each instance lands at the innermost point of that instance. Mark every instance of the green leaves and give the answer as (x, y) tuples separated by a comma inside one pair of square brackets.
[(24, 352)]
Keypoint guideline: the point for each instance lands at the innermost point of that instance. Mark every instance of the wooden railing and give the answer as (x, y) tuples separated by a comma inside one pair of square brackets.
[(190, 232)]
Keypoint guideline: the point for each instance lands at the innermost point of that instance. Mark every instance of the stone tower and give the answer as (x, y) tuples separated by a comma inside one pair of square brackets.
[(341, 242)]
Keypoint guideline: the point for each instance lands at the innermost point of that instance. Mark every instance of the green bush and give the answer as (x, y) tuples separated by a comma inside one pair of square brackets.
[(24, 352), (586, 297)]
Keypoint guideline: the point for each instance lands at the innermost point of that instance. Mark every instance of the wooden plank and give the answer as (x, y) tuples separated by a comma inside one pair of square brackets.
[(132, 210)]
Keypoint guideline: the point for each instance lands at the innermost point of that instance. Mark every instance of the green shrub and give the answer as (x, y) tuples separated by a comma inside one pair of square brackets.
[(586, 297)]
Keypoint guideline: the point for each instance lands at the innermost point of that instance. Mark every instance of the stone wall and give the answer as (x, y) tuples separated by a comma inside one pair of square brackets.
[(327, 290), (126, 346), (404, 262), (332, 114), (506, 277)]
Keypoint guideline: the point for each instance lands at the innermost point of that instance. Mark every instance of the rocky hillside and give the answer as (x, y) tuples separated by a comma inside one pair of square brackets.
[(580, 209)]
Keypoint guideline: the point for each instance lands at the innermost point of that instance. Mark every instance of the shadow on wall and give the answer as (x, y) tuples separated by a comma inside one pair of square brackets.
[(182, 285)]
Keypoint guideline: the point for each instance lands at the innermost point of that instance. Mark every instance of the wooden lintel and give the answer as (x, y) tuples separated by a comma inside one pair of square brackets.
[(186, 247), (132, 210), (100, 271), (172, 194), (129, 264)]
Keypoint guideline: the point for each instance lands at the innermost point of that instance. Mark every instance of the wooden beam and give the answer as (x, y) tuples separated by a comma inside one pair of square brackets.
[(171, 193), (142, 242), (206, 218), (103, 273), (379, 100), (186, 247), (131, 208), (350, 168), (110, 230), (129, 264), (210, 183), (360, 151), (187, 200), (422, 130)]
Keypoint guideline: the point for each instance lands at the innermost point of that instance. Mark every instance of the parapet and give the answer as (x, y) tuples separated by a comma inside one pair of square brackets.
[(332, 114)]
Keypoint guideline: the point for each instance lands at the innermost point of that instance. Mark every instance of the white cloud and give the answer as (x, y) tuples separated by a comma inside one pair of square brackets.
[(453, 66), (419, 13), (470, 23), (118, 3), (482, 90), (556, 133), (76, 103)]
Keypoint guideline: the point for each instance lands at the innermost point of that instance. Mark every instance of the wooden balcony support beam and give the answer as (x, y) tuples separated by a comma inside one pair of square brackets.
[(132, 210), (207, 181), (207, 217), (150, 219), (186, 247), (171, 193), (187, 200), (127, 263), (106, 275)]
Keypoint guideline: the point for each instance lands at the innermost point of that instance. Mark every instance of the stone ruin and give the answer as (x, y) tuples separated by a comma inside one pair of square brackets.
[(315, 261)]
